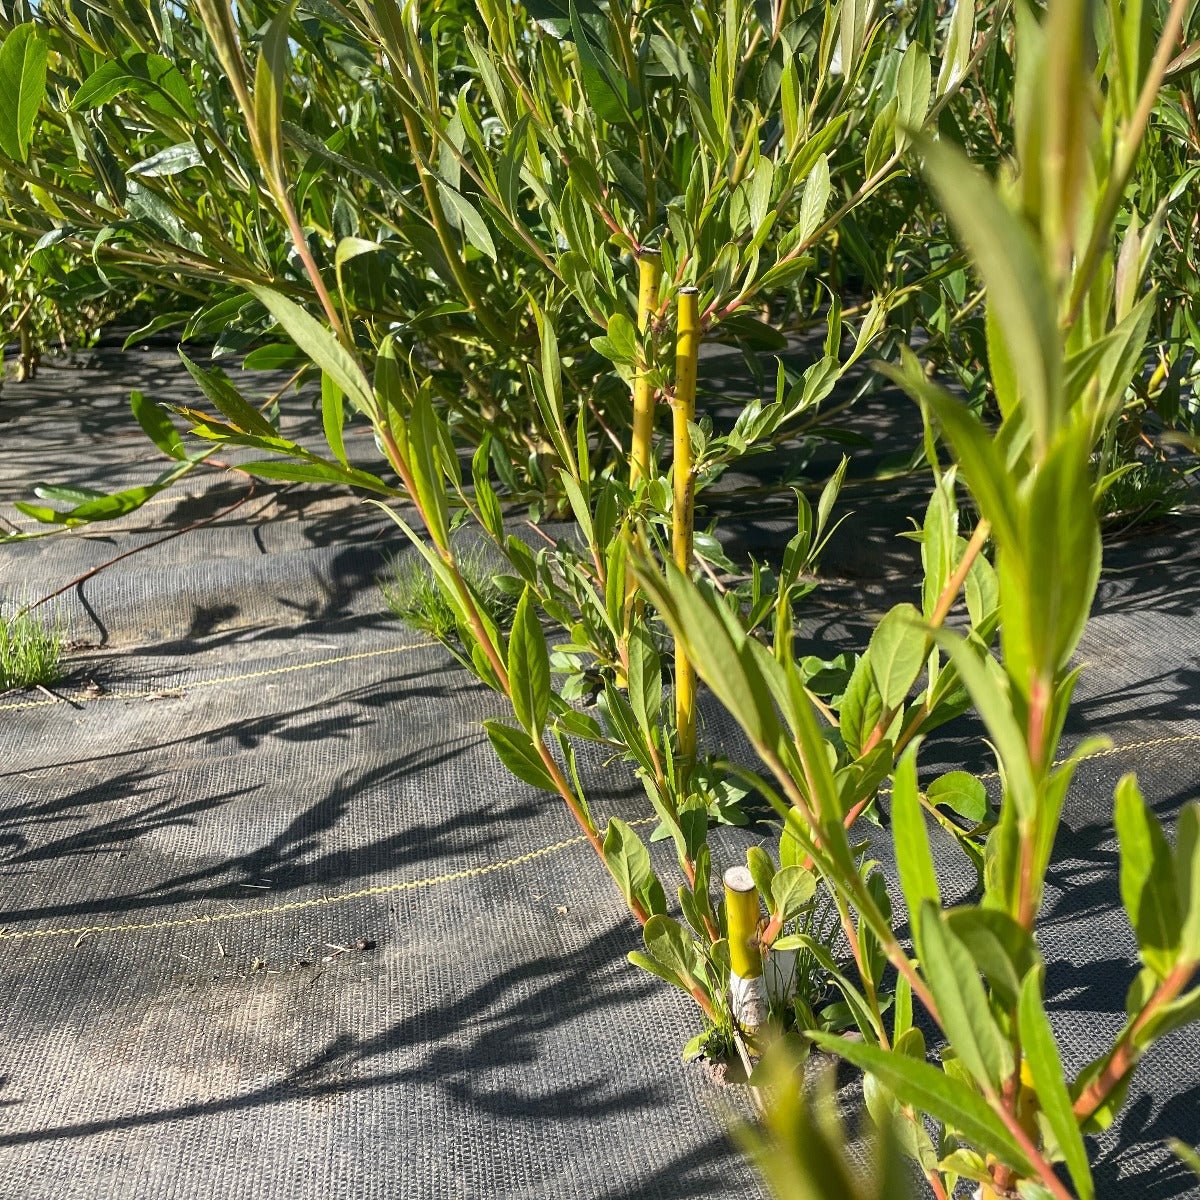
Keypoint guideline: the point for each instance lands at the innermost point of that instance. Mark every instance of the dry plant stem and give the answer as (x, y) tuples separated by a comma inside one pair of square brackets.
[(1125, 1056), (224, 512), (683, 409)]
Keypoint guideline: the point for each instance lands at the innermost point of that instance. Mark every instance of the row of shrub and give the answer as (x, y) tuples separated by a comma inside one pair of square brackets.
[(497, 235)]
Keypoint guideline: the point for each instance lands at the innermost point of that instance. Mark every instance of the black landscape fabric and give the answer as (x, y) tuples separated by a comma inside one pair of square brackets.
[(276, 923)]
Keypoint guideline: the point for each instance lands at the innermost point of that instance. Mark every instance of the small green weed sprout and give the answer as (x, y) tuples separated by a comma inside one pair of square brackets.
[(30, 652)]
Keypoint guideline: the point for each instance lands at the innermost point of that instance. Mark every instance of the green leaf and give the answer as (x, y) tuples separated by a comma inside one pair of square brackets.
[(155, 80), (156, 425), (981, 464), (313, 472), (897, 652), (240, 413), (1048, 577), (425, 463), (861, 706), (961, 793), (485, 495), (722, 660), (320, 345), (598, 85), (762, 869), (986, 686), (853, 28), (529, 666), (815, 199), (945, 1098), (105, 83), (97, 506), (647, 963), (913, 82), (1187, 873), (629, 861), (1189, 1157), (270, 74), (469, 220), (174, 160), (669, 944), (1148, 885), (914, 860), (939, 543), (1045, 1065), (333, 417), (516, 751), (1010, 266), (1002, 949), (957, 52), (791, 889), (645, 688), (962, 1002), (22, 88)]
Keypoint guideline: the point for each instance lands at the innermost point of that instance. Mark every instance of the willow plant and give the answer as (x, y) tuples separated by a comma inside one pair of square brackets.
[(575, 144), (419, 175), (1066, 337), (738, 210)]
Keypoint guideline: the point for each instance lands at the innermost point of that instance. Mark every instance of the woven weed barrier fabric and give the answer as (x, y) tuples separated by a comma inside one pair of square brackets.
[(275, 922)]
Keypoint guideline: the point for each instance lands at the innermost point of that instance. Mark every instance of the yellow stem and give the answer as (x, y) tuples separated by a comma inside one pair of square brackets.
[(687, 348), (641, 453), (649, 278)]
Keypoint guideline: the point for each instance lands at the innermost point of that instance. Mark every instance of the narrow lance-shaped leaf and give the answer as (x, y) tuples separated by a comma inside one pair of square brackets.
[(914, 860), (1008, 262), (913, 82), (1045, 1065), (927, 1089), (1187, 871), (962, 1002), (315, 340), (1148, 885), (629, 862), (897, 653), (22, 88), (957, 52), (529, 667), (269, 76), (516, 751)]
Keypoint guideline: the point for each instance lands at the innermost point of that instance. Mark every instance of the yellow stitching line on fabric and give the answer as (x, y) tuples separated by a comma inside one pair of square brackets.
[(385, 889), (203, 683), (24, 935)]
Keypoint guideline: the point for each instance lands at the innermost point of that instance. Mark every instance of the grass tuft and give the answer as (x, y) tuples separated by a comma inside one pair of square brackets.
[(413, 595), (30, 653)]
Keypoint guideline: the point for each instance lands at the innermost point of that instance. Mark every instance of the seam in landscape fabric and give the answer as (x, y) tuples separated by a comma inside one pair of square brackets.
[(384, 889), (406, 885), (239, 678)]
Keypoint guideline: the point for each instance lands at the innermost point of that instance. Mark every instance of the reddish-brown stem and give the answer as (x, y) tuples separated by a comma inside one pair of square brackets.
[(1044, 1170), (1125, 1056)]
